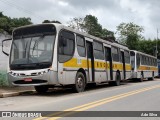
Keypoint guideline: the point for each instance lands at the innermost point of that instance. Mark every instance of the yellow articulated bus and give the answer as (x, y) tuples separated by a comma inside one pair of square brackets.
[(144, 66), (48, 55)]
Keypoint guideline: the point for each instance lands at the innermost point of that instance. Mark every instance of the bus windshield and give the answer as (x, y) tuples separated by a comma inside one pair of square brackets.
[(33, 52)]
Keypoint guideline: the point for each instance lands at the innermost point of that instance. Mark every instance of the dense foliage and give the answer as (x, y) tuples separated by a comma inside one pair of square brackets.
[(149, 47), (130, 34), (53, 21), (90, 25), (7, 24)]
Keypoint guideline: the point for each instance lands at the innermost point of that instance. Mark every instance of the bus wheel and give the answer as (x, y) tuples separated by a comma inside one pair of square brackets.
[(118, 79), (79, 82), (41, 89)]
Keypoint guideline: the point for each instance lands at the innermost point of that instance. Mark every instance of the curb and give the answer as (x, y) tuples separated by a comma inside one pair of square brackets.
[(11, 94)]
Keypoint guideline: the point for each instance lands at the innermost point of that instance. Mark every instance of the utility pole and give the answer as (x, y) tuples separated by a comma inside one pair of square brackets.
[(156, 43)]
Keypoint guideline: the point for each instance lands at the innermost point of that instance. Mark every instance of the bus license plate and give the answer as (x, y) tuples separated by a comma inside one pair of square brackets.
[(28, 79)]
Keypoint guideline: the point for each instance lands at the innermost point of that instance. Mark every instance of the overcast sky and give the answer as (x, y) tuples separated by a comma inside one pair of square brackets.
[(110, 13)]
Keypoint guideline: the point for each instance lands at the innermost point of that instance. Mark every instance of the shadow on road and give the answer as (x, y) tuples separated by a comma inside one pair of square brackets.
[(58, 91)]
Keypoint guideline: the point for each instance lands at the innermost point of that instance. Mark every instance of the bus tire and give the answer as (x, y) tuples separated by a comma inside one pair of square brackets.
[(41, 89), (118, 79), (80, 82)]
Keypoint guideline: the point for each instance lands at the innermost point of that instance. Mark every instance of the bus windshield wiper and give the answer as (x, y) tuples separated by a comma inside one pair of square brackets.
[(36, 42)]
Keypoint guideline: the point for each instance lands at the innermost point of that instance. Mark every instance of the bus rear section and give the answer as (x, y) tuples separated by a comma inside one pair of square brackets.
[(144, 66)]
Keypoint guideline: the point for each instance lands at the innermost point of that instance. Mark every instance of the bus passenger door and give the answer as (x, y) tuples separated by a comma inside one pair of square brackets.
[(108, 59), (123, 64), (90, 61)]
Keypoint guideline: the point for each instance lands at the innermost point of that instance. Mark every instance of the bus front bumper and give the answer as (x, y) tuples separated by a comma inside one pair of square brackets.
[(32, 77)]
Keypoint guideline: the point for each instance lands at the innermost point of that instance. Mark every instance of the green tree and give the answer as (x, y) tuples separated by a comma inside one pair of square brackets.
[(89, 24), (3, 24), (158, 48), (92, 26), (21, 21), (53, 21), (1, 14), (77, 23), (106, 34), (147, 46), (130, 34), (7, 24)]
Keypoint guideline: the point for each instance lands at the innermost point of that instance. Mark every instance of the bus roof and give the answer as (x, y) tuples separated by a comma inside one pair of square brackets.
[(143, 53), (61, 26)]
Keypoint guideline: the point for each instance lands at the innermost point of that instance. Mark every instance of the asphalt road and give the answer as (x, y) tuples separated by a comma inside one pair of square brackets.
[(131, 96)]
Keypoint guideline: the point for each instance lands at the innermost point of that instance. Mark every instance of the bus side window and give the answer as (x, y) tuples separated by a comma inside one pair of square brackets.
[(81, 46), (98, 50), (127, 56), (115, 54), (66, 46)]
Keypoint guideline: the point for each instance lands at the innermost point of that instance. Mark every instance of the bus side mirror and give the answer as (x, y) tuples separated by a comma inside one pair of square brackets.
[(6, 46)]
